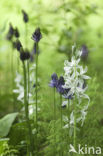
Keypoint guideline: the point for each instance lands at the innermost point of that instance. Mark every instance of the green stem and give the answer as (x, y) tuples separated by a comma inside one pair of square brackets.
[(54, 106), (36, 86), (26, 33), (27, 111), (36, 91), (74, 125), (12, 73), (61, 110), (28, 80), (61, 124), (18, 63), (68, 115), (75, 116), (54, 122)]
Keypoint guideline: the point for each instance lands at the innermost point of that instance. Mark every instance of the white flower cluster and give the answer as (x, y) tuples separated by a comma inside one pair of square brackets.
[(75, 77)]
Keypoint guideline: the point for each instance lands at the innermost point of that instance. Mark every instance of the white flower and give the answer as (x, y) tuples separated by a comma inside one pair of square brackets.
[(75, 76)]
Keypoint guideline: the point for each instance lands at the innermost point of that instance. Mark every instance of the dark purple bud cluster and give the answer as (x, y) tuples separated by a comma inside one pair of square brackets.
[(16, 33), (10, 32), (37, 35), (25, 16), (24, 55)]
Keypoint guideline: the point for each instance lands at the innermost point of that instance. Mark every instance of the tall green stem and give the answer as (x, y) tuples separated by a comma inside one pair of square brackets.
[(61, 124), (74, 125), (68, 114), (36, 92), (28, 80), (12, 73), (26, 33), (61, 110), (27, 111), (18, 63), (75, 116), (36, 87), (54, 122)]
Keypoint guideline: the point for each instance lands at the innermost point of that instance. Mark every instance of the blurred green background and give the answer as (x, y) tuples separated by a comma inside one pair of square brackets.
[(62, 23)]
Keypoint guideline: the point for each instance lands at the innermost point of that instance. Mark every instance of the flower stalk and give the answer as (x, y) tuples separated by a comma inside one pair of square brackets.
[(61, 118), (36, 87), (27, 111), (12, 73), (54, 122), (75, 115), (28, 75)]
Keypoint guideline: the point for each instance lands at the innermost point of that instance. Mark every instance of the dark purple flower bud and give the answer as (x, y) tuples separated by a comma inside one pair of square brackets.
[(24, 55), (60, 88), (54, 81), (16, 33), (25, 16), (84, 52), (10, 32), (18, 45), (37, 35)]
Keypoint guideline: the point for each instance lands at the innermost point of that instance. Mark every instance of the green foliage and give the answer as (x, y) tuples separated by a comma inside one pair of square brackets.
[(6, 123), (6, 150)]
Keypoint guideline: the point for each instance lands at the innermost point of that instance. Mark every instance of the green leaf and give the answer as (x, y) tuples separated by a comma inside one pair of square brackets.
[(6, 123)]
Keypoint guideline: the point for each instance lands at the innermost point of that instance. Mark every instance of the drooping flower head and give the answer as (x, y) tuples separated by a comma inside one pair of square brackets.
[(24, 55), (37, 35), (16, 33), (25, 16), (10, 32), (54, 80)]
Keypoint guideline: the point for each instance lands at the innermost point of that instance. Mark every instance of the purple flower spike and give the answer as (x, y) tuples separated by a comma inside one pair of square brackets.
[(54, 81), (37, 35), (60, 88)]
